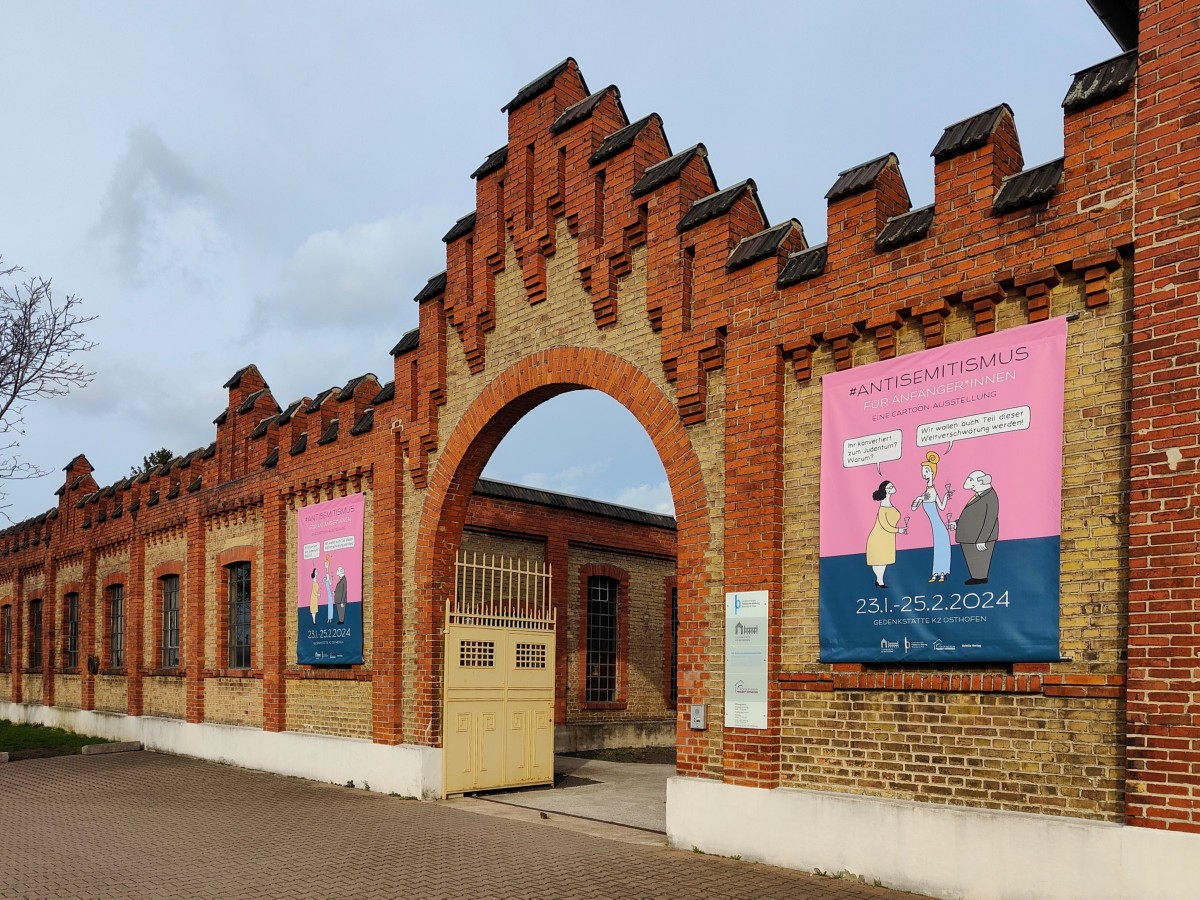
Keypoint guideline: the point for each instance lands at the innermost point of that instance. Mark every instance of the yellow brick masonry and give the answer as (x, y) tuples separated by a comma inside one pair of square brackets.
[(1023, 752)]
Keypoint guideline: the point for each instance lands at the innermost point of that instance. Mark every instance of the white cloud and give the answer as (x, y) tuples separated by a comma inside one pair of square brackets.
[(356, 277), (159, 214), (654, 497), (571, 480)]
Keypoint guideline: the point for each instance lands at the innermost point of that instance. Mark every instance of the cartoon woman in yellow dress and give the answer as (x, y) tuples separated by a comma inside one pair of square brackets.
[(881, 542)]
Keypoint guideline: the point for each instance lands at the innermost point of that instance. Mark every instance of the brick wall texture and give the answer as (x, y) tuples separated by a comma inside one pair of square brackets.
[(596, 260)]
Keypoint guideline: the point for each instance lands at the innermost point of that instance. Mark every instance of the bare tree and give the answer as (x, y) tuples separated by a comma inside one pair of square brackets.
[(39, 336)]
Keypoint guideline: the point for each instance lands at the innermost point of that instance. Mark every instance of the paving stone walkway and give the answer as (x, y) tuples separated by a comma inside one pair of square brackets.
[(151, 825)]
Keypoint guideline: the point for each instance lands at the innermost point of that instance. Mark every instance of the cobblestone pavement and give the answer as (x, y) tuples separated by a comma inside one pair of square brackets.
[(151, 825)]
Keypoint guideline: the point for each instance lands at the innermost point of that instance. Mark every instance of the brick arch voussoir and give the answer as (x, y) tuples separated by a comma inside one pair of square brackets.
[(509, 396)]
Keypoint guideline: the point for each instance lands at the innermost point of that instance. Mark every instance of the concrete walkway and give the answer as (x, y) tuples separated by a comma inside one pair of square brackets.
[(149, 825), (620, 793)]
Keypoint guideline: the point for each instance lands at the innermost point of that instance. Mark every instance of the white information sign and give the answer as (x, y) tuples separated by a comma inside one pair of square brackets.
[(746, 659)]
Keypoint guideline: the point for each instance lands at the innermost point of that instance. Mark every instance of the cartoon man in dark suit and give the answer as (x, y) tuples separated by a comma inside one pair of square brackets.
[(978, 526)]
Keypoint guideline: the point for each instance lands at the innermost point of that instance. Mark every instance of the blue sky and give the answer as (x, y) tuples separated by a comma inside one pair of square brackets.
[(287, 171)]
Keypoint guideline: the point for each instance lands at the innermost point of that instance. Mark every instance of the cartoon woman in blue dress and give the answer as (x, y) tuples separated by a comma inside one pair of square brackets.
[(934, 506)]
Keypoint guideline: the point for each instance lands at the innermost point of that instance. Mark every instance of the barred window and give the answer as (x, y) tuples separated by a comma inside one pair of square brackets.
[(35, 634), (6, 637), (116, 625), (71, 649), (169, 591), (601, 681), (238, 592)]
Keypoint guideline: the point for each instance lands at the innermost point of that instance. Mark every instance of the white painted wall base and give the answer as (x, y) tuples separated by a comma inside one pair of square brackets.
[(406, 769), (943, 851)]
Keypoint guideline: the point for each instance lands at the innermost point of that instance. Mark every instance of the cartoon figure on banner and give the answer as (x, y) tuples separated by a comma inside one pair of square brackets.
[(978, 526), (934, 505), (314, 597), (336, 595), (881, 542)]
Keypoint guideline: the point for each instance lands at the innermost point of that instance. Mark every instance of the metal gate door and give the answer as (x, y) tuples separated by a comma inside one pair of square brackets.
[(498, 703)]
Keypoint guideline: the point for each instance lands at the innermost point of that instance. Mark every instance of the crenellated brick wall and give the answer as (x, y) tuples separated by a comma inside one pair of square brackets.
[(596, 257)]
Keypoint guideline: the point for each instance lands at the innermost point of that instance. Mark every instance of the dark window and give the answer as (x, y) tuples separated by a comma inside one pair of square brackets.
[(35, 634), (170, 620), (6, 633), (674, 646), (71, 650), (601, 684), (116, 626), (239, 615)]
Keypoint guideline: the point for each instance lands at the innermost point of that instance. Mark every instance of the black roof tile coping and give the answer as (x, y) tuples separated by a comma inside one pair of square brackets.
[(761, 245), (411, 340), (261, 428), (905, 228), (707, 208), (365, 422), (621, 140), (236, 378), (434, 287), (803, 265), (222, 418), (77, 458), (578, 112), (496, 159), (386, 393), (502, 490), (668, 170), (272, 459), (173, 492), (301, 444), (248, 403), (286, 416), (319, 399), (210, 451), (463, 226), (968, 134), (195, 485), (858, 178), (330, 434), (351, 386), (1103, 80), (1028, 187), (539, 86)]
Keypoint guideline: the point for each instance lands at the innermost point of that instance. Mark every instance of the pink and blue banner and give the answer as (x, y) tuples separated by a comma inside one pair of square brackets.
[(941, 487), (329, 576)]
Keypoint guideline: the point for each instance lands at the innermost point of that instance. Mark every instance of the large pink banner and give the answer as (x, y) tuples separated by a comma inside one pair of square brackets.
[(329, 575), (939, 470)]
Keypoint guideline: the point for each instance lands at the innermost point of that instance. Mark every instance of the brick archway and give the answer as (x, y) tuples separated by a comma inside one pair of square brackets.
[(509, 396)]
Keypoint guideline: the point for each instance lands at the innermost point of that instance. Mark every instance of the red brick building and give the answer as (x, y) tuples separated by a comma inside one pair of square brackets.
[(598, 258)]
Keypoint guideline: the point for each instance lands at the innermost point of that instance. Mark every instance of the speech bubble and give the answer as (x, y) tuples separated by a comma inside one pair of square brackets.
[(339, 543), (947, 431), (313, 550), (871, 449)]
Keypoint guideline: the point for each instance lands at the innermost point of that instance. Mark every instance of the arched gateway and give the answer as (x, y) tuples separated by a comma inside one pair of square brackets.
[(901, 621)]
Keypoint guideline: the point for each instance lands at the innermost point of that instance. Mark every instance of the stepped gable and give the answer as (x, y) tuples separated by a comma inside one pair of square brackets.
[(582, 110), (538, 86), (461, 228), (669, 169), (718, 204), (495, 161), (620, 141)]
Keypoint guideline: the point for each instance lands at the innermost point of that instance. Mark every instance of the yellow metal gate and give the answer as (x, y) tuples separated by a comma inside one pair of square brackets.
[(499, 686)]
